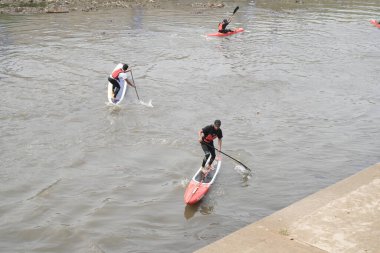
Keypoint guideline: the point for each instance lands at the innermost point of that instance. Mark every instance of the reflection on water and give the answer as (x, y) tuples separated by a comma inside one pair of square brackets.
[(297, 94), (190, 210), (204, 207)]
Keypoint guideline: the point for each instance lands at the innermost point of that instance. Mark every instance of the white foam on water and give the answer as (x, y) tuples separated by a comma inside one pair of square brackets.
[(243, 171), (149, 104), (112, 104), (185, 182)]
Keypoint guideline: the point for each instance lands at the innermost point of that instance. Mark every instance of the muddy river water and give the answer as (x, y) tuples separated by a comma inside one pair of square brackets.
[(297, 93)]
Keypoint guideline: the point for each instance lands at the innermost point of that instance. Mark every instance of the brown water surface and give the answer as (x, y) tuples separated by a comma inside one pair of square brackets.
[(298, 95)]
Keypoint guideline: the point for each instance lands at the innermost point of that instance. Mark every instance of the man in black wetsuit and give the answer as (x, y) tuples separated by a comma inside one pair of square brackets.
[(206, 139)]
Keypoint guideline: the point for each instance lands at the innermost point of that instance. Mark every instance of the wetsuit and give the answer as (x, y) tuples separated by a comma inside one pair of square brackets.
[(210, 134)]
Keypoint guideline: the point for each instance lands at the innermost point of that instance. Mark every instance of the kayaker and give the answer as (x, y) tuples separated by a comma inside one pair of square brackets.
[(222, 26), (115, 77), (206, 139)]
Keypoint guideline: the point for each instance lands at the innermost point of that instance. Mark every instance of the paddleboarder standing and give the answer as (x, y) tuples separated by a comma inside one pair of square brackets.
[(206, 139), (114, 79)]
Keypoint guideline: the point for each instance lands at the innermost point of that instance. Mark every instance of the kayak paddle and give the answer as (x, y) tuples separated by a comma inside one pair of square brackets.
[(236, 9), (141, 102)]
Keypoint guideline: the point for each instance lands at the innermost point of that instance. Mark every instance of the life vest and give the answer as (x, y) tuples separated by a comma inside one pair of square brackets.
[(220, 27), (115, 74)]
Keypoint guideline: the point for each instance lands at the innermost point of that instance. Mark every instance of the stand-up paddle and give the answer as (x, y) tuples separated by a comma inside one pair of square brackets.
[(135, 86), (227, 155), (141, 102)]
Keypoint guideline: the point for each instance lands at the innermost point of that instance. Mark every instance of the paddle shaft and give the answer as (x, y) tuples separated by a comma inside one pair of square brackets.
[(135, 86), (236, 9), (226, 155)]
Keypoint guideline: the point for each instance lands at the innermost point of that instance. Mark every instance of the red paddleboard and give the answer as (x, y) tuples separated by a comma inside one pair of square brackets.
[(237, 30), (198, 186), (375, 23)]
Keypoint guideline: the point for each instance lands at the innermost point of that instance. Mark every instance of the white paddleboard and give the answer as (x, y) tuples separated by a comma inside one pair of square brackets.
[(122, 92)]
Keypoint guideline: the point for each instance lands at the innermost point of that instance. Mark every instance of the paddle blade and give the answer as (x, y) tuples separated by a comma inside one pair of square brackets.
[(242, 171), (236, 9)]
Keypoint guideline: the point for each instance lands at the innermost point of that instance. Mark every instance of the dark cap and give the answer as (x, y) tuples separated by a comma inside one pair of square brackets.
[(217, 123), (125, 66)]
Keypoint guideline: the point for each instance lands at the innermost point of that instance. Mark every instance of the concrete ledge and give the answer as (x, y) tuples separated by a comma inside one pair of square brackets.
[(344, 217)]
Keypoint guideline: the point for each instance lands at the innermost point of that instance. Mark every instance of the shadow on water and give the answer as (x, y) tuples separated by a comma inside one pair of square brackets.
[(203, 206), (190, 210)]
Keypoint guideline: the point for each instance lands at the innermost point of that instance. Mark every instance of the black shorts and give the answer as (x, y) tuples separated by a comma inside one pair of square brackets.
[(115, 85)]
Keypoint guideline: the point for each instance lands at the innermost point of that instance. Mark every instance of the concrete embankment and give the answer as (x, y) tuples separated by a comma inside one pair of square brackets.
[(344, 217)]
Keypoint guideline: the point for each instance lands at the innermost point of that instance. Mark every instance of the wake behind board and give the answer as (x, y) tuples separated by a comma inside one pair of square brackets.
[(375, 23), (198, 186), (123, 89), (218, 34)]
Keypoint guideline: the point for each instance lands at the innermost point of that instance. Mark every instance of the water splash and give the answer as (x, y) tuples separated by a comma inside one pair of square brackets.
[(243, 171), (185, 182), (149, 104)]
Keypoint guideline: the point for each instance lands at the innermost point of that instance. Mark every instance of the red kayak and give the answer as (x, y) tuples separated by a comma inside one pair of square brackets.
[(375, 23), (199, 186), (237, 30)]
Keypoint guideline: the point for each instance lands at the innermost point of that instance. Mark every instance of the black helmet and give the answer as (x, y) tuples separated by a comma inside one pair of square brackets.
[(217, 123), (225, 21), (125, 66)]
